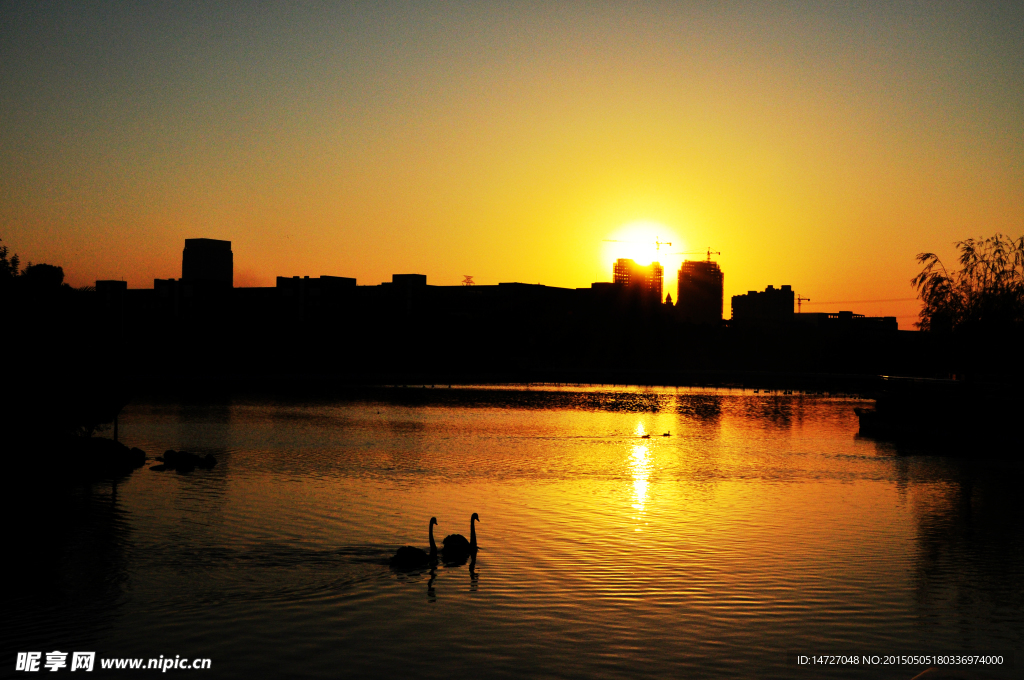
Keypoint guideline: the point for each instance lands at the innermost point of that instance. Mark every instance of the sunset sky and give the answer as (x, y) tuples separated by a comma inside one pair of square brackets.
[(821, 145)]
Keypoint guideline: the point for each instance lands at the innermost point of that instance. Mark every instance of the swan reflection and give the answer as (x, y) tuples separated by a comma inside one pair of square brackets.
[(474, 579)]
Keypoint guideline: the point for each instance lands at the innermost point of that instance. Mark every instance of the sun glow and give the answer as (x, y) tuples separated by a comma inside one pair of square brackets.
[(644, 242)]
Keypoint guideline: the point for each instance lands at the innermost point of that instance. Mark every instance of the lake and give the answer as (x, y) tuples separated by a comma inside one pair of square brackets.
[(760, 529)]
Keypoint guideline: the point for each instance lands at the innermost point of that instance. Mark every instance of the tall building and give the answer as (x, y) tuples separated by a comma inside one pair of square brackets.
[(632, 275), (699, 296), (207, 260)]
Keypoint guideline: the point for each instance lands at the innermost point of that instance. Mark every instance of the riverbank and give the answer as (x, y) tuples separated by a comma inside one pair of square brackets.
[(197, 385)]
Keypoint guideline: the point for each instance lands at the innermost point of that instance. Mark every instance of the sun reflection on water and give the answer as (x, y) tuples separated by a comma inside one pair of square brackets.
[(640, 468)]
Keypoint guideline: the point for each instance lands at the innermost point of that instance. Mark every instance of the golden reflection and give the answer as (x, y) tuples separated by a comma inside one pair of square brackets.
[(640, 468)]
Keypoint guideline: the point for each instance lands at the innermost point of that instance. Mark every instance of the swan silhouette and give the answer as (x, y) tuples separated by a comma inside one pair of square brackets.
[(411, 557), (456, 547)]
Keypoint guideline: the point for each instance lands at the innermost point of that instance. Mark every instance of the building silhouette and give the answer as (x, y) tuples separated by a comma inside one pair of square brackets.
[(207, 260), (699, 296), (331, 325), (631, 275), (772, 306), (847, 321)]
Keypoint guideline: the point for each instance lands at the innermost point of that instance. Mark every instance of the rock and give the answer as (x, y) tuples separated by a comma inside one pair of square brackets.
[(184, 462)]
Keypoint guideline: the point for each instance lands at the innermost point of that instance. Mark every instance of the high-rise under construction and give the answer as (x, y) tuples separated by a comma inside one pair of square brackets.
[(633, 275), (699, 297)]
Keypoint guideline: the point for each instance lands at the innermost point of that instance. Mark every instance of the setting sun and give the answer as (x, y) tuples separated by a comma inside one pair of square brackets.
[(644, 242)]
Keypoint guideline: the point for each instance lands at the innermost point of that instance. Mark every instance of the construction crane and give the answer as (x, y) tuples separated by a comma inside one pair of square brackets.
[(468, 280), (799, 300), (658, 243), (700, 252)]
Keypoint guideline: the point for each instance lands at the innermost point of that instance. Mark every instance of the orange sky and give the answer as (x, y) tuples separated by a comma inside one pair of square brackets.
[(814, 146)]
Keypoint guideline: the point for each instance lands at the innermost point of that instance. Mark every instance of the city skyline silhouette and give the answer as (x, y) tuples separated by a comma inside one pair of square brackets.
[(812, 146)]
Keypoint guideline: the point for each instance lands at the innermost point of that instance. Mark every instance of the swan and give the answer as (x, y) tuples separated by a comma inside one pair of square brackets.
[(456, 546), (408, 556)]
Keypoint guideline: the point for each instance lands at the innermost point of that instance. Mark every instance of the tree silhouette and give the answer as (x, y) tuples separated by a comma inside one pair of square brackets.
[(42, 277), (985, 294), (9, 268)]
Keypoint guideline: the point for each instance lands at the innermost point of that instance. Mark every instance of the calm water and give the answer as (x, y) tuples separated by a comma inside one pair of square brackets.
[(762, 527)]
